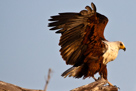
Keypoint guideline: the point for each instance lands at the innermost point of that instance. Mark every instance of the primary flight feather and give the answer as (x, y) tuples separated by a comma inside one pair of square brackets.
[(83, 44)]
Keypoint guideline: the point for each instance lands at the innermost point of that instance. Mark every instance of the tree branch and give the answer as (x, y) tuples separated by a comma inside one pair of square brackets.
[(99, 85), (48, 79), (10, 87)]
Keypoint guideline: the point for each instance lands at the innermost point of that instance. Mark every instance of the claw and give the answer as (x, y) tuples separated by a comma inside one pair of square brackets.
[(116, 87)]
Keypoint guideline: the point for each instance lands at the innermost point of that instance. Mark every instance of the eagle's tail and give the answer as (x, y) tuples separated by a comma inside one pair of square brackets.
[(76, 72)]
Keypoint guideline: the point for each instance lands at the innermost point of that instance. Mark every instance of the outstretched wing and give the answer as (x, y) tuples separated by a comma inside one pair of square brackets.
[(82, 34)]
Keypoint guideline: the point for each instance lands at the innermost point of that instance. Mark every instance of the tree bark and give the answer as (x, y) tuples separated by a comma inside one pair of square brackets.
[(10, 87), (99, 85)]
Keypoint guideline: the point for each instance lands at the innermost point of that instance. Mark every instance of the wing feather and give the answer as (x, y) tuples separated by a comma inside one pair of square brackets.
[(82, 34)]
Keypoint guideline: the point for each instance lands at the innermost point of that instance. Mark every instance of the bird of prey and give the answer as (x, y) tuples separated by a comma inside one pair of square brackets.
[(83, 44)]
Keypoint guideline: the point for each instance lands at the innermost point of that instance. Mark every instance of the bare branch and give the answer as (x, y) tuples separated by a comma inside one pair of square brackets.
[(47, 81), (10, 87), (96, 86)]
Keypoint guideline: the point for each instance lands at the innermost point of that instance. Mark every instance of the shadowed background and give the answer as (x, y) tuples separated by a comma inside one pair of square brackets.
[(28, 49)]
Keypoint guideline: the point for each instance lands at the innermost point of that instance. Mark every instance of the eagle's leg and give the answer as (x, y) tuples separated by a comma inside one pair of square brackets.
[(106, 80)]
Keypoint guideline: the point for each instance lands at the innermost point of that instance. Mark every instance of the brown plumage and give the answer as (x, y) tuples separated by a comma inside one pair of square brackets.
[(81, 41)]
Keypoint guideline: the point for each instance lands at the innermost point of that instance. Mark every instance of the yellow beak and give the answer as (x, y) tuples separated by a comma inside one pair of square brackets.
[(123, 47)]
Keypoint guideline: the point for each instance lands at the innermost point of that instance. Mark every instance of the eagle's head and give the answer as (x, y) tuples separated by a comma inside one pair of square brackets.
[(121, 45)]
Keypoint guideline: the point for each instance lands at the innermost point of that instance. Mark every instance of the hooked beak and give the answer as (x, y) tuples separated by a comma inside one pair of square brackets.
[(124, 49)]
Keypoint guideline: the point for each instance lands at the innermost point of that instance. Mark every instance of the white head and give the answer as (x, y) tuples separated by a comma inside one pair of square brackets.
[(120, 45)]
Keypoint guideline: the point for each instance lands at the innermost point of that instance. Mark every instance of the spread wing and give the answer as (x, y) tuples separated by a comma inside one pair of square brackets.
[(81, 34)]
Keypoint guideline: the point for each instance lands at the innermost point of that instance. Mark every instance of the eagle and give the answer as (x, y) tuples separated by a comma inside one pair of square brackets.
[(83, 44)]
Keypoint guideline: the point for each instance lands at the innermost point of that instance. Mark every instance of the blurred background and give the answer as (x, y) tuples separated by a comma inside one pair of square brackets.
[(28, 49)]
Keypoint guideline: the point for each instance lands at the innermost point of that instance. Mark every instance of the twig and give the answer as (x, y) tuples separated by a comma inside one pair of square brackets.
[(47, 81)]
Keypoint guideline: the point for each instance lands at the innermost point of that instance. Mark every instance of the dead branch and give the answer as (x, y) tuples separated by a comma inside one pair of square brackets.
[(10, 87), (47, 81), (99, 85)]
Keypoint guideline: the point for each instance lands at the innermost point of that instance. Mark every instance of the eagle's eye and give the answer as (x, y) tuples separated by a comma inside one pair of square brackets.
[(121, 44)]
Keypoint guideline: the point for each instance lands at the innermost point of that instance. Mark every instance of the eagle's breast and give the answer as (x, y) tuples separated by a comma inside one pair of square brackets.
[(111, 53)]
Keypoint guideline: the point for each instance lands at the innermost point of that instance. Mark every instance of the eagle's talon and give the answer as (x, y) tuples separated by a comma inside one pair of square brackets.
[(116, 87)]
